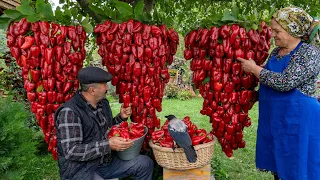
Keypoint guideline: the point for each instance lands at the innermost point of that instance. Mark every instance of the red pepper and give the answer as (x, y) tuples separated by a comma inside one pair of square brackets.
[(246, 82), (29, 86), (239, 53), (35, 74), (122, 28), (146, 31), (60, 98), (67, 87), (224, 31), (51, 95), (114, 132), (153, 43), (76, 43), (242, 33), (58, 50), (218, 86), (137, 69), (197, 140), (55, 28), (229, 87), (249, 55), (243, 99), (155, 30), (227, 65), (214, 33), (23, 26), (51, 83), (67, 97), (72, 33), (173, 36), (235, 31), (254, 37), (146, 93), (219, 51), (124, 124), (31, 96), (74, 58), (216, 74), (217, 62), (188, 54), (226, 44), (44, 27), (29, 40), (126, 100), (114, 28), (49, 55), (125, 134), (236, 67), (15, 51), (233, 97), (35, 51)]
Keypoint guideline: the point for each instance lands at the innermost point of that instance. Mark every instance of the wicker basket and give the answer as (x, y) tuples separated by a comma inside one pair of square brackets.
[(176, 159)]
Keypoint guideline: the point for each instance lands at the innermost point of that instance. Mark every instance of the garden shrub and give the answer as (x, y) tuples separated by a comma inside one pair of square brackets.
[(184, 94), (171, 91), (17, 147)]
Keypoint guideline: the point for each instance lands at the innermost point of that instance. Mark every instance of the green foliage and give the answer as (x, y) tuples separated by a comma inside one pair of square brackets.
[(10, 73), (171, 91), (16, 138), (184, 94), (19, 145)]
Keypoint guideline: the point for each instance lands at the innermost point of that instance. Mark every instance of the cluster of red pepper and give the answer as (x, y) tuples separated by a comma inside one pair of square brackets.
[(50, 57), (198, 136), (127, 131), (137, 55), (227, 90)]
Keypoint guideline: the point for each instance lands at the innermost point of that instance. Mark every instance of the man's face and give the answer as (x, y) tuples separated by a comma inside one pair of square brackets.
[(100, 91)]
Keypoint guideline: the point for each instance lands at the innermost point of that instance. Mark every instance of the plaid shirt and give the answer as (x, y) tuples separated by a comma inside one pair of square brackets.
[(71, 136)]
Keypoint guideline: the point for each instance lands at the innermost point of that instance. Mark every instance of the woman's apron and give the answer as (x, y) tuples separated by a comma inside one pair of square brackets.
[(288, 135)]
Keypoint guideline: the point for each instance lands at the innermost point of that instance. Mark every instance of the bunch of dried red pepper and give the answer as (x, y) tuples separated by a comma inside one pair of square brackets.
[(137, 55), (127, 131), (50, 56), (227, 90), (198, 136)]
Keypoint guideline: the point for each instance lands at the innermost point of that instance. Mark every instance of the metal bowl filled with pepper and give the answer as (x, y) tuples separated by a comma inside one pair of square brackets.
[(133, 131)]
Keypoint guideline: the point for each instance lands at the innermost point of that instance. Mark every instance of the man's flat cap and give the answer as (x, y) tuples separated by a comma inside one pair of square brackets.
[(91, 75)]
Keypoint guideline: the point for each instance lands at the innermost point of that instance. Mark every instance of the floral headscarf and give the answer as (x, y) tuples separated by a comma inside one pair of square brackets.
[(299, 23)]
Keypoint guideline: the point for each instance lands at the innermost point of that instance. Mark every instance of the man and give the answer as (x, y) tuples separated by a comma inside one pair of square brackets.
[(81, 125)]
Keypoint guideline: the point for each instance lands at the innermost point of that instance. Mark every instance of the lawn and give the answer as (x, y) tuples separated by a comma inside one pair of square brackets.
[(241, 166)]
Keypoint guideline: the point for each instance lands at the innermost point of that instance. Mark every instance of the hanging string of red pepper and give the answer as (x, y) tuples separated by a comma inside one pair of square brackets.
[(50, 56), (228, 92), (138, 55)]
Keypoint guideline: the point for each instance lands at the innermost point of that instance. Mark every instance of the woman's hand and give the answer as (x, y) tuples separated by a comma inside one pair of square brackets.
[(250, 66)]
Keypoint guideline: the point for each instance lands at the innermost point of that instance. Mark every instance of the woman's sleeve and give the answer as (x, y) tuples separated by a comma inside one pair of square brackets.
[(299, 70)]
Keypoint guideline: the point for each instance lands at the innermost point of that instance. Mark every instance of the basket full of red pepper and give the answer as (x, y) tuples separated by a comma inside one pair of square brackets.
[(133, 131), (171, 157)]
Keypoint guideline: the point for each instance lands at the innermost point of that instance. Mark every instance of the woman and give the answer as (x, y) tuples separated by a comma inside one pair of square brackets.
[(288, 135)]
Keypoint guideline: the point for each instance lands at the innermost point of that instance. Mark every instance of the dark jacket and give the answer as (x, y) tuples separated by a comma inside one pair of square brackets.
[(92, 131)]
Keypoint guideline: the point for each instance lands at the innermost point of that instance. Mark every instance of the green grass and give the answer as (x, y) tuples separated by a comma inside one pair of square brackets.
[(241, 166)]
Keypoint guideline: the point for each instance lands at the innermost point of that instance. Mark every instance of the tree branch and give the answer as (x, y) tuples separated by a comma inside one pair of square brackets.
[(85, 8)]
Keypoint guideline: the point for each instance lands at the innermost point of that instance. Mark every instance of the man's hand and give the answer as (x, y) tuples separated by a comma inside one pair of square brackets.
[(125, 112), (120, 143)]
